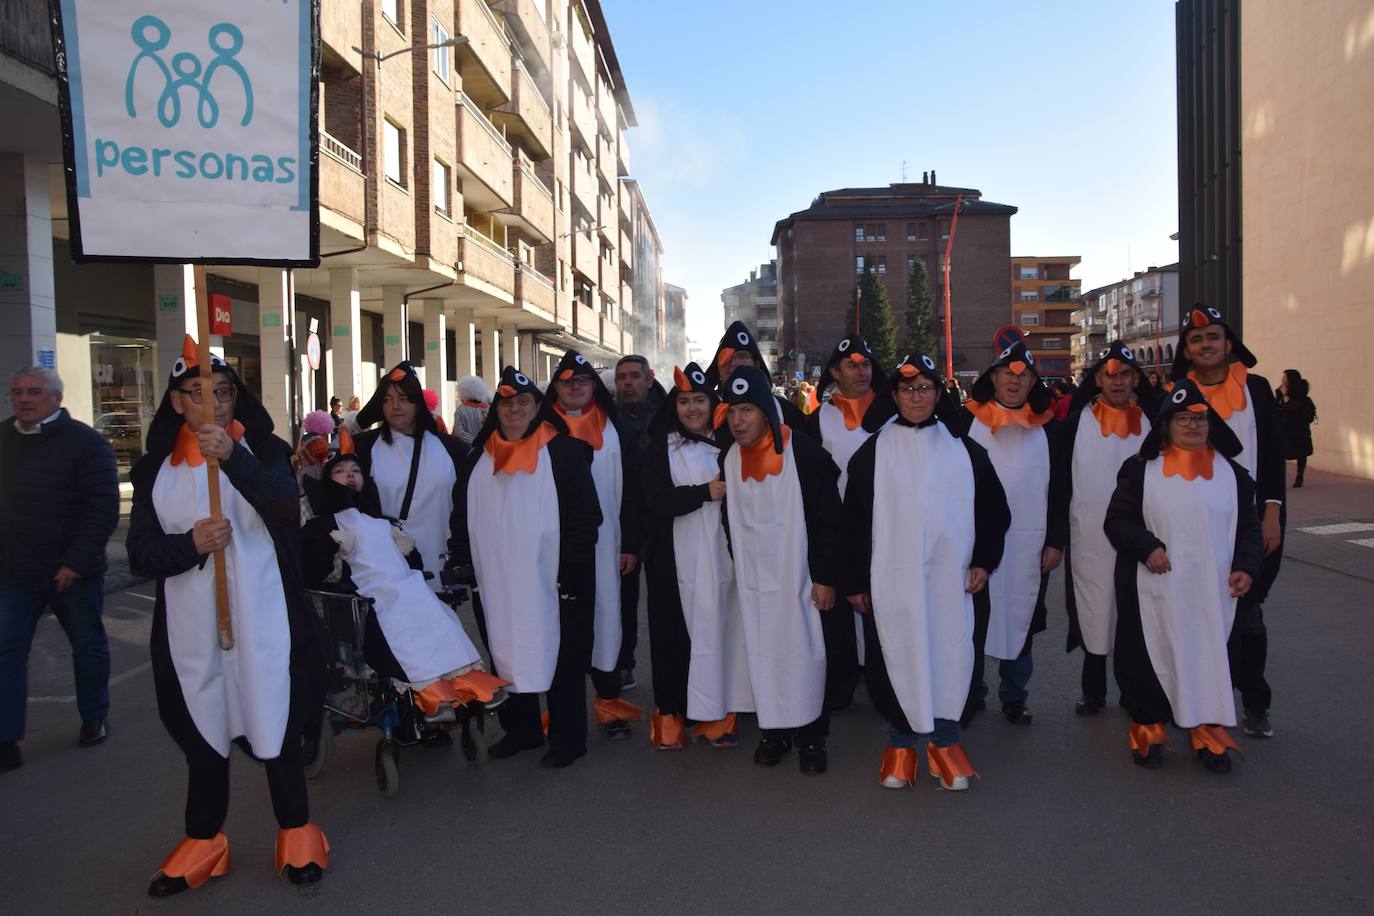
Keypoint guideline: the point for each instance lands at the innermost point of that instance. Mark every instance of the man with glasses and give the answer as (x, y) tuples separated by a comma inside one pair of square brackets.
[(585, 404), (738, 349), (260, 688), (59, 504)]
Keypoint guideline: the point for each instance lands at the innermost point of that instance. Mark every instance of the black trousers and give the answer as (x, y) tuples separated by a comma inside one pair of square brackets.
[(1248, 650), (629, 618), (813, 733), (567, 702), (1094, 677), (841, 654), (207, 791)]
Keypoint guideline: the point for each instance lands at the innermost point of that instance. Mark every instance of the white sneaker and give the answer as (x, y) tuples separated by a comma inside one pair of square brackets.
[(894, 782), (959, 784)]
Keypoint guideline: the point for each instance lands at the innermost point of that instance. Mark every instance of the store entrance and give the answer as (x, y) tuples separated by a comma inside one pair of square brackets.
[(124, 394)]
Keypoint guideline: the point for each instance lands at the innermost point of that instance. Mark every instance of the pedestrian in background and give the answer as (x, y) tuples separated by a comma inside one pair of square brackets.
[(335, 405), (637, 397), (59, 504), (1297, 413), (472, 412)]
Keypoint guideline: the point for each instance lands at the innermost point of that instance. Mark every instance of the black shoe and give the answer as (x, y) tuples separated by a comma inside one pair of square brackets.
[(310, 749), (1255, 724), (770, 751), (510, 745), (627, 679), (1017, 713), (1152, 759), (559, 757), (617, 729), (163, 886), (1090, 706), (309, 873), (812, 759), (1215, 763), (1298, 482), (11, 758), (93, 732)]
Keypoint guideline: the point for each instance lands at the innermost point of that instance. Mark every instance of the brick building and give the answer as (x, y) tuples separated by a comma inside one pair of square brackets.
[(823, 249), (1043, 299), (755, 302)]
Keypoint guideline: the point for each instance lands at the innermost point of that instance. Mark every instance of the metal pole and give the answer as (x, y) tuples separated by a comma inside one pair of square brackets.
[(949, 320)]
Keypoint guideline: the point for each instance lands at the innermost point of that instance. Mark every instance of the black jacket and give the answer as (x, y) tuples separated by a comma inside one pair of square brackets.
[(59, 499)]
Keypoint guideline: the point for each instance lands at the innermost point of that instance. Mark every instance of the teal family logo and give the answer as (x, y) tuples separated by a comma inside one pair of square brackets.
[(151, 36)]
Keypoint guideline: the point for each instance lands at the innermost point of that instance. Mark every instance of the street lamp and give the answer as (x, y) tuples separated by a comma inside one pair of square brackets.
[(949, 320), (378, 56)]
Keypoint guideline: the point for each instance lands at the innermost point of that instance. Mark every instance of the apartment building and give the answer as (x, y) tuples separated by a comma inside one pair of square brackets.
[(822, 250), (673, 349), (755, 302), (472, 214), (1044, 297), (1090, 331), (1141, 311)]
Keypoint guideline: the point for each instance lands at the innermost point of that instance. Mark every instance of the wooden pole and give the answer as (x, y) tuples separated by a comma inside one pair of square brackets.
[(207, 415)]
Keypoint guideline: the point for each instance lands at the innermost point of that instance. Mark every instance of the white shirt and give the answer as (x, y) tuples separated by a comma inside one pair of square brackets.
[(35, 430)]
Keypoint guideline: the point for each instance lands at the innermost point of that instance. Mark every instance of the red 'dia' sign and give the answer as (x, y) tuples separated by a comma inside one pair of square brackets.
[(221, 315)]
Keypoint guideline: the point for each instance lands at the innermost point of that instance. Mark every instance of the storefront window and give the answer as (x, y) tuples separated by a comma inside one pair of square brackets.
[(124, 393)]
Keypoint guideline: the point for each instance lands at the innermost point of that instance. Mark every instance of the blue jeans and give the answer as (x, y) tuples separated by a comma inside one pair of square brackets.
[(946, 734), (1014, 675), (79, 610)]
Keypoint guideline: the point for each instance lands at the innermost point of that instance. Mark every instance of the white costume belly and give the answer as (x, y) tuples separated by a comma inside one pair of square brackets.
[(607, 474), (432, 504)]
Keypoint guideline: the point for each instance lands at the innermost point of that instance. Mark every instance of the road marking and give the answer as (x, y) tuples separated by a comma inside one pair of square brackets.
[(1347, 528), (153, 598), (1364, 542), (117, 679)]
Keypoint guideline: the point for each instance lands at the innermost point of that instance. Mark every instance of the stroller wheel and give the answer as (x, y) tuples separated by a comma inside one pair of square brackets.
[(324, 753), (475, 740), (387, 771)]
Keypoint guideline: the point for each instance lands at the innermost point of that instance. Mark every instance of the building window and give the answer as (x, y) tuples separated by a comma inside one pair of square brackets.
[(944, 230), (882, 232), (859, 232), (438, 36), (882, 263), (859, 264), (1052, 343), (393, 152), (1029, 319), (910, 263), (1028, 273), (391, 9), (442, 183), (1029, 295)]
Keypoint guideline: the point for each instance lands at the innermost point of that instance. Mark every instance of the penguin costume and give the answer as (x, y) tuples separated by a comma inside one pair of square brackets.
[(924, 509), (736, 338), (782, 515), (618, 489), (1184, 526), (526, 520), (415, 474), (696, 634), (411, 636), (1097, 438), (1023, 444), (1245, 402), (265, 688)]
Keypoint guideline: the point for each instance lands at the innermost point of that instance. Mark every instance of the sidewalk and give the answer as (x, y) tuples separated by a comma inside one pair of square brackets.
[(1331, 523), (117, 574)]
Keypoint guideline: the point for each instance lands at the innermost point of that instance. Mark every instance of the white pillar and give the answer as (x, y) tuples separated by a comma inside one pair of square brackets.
[(28, 331), (436, 356), (465, 349), (395, 331), (174, 291), (275, 311), (491, 361), (509, 354), (528, 349), (345, 334)]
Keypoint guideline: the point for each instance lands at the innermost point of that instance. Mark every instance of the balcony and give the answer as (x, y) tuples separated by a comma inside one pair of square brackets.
[(487, 266), (586, 323), (342, 183), (625, 247), (610, 334), (484, 159), (606, 108), (526, 117), (484, 61), (26, 34), (529, 27), (584, 189), (534, 293), (532, 212), (341, 30), (605, 159), (582, 117), (622, 156), (583, 55), (585, 257)]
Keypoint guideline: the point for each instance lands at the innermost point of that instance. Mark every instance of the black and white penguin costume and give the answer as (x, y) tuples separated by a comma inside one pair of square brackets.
[(526, 520), (1097, 438), (1171, 656), (391, 459), (1024, 446), (738, 337), (411, 636), (618, 489), (265, 688), (782, 514), (1245, 401), (696, 632), (923, 507)]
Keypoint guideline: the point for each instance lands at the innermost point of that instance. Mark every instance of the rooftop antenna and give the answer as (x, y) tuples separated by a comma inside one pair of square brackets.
[(903, 171)]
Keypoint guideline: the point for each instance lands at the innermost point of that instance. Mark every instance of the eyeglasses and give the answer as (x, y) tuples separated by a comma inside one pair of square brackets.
[(919, 391), (576, 381), (396, 400), (1195, 420), (222, 395)]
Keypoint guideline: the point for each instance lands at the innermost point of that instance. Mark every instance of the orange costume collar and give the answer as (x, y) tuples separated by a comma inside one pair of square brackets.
[(1229, 395), (1189, 465), (520, 456), (187, 448), (1117, 421), (588, 427), (760, 460), (995, 416), (853, 409)]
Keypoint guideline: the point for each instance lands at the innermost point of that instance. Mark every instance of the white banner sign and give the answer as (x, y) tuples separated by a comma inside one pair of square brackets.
[(190, 129)]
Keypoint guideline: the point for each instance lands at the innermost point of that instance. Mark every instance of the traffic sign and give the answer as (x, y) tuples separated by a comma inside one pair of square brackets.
[(312, 350), (1007, 336)]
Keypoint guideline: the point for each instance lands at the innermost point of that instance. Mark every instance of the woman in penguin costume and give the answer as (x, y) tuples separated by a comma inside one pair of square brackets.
[(696, 634), (1008, 413), (583, 402), (411, 636), (1105, 427), (414, 465), (526, 520), (924, 523), (1182, 519), (738, 348), (271, 682), (1211, 354), (782, 517)]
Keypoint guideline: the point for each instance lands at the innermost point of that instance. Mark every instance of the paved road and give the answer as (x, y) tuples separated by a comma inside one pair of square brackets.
[(1061, 821)]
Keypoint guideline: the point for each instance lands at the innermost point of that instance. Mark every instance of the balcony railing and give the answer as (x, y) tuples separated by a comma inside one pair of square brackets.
[(332, 146), (486, 261), (534, 290), (583, 55), (528, 25), (26, 34)]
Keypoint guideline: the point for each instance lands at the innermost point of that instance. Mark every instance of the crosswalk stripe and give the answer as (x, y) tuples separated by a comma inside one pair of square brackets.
[(1364, 542), (1346, 528)]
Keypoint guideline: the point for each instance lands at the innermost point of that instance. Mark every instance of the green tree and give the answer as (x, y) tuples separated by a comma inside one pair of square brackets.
[(875, 317), (920, 310)]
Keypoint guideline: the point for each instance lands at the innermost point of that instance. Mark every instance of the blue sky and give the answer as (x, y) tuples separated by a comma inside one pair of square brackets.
[(749, 108)]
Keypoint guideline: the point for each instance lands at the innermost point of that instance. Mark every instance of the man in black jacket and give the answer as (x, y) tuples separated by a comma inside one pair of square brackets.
[(59, 504)]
